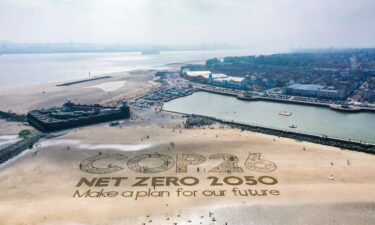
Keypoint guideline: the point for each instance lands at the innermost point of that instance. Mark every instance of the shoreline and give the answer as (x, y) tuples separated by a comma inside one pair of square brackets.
[(353, 145), (334, 107)]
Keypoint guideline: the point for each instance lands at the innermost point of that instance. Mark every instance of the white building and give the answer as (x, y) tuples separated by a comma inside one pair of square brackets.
[(217, 79)]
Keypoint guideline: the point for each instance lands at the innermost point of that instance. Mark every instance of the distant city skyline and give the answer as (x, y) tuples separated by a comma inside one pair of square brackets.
[(274, 24)]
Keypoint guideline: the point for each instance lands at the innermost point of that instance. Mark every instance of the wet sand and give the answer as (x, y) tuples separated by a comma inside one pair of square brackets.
[(26, 98)]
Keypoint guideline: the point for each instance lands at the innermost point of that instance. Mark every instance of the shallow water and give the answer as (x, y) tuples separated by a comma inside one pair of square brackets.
[(6, 140), (110, 86), (83, 145), (24, 69)]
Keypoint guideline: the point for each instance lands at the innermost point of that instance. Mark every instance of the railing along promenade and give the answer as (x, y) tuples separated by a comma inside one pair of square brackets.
[(239, 96)]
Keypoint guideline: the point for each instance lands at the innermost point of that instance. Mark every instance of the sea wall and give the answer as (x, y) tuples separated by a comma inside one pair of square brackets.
[(82, 81), (299, 136), (17, 148), (318, 139), (12, 116), (287, 101)]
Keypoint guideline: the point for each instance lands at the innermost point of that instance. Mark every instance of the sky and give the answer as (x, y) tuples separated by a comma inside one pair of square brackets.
[(272, 24)]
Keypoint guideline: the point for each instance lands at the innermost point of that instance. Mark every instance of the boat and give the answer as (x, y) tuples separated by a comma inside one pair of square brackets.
[(345, 108), (292, 126), (285, 113)]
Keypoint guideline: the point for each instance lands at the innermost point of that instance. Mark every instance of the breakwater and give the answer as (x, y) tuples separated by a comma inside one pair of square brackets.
[(9, 116), (17, 148), (82, 81), (299, 136), (342, 143)]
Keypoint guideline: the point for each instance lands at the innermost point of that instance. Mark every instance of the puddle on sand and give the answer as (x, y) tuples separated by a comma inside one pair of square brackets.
[(110, 86), (80, 144), (6, 140)]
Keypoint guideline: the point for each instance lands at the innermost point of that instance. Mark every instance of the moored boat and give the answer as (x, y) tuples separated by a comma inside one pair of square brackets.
[(285, 113)]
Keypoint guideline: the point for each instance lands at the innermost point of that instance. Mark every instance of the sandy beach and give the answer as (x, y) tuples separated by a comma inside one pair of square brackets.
[(270, 180), (25, 98), (38, 186)]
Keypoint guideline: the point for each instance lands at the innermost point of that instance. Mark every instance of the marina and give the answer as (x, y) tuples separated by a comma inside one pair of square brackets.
[(307, 119)]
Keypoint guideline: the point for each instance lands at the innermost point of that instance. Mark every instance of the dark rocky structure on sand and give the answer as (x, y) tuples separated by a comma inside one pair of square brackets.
[(74, 115), (14, 117), (17, 148), (198, 120)]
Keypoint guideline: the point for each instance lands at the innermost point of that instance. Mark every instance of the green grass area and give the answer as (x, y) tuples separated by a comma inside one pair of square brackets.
[(25, 133)]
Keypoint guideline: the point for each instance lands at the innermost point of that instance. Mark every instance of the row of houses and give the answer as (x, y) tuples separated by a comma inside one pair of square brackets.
[(244, 83)]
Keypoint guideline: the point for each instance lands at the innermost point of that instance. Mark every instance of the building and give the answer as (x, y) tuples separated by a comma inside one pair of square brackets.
[(74, 115), (310, 90), (218, 79), (197, 76), (369, 94), (331, 93), (314, 90)]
